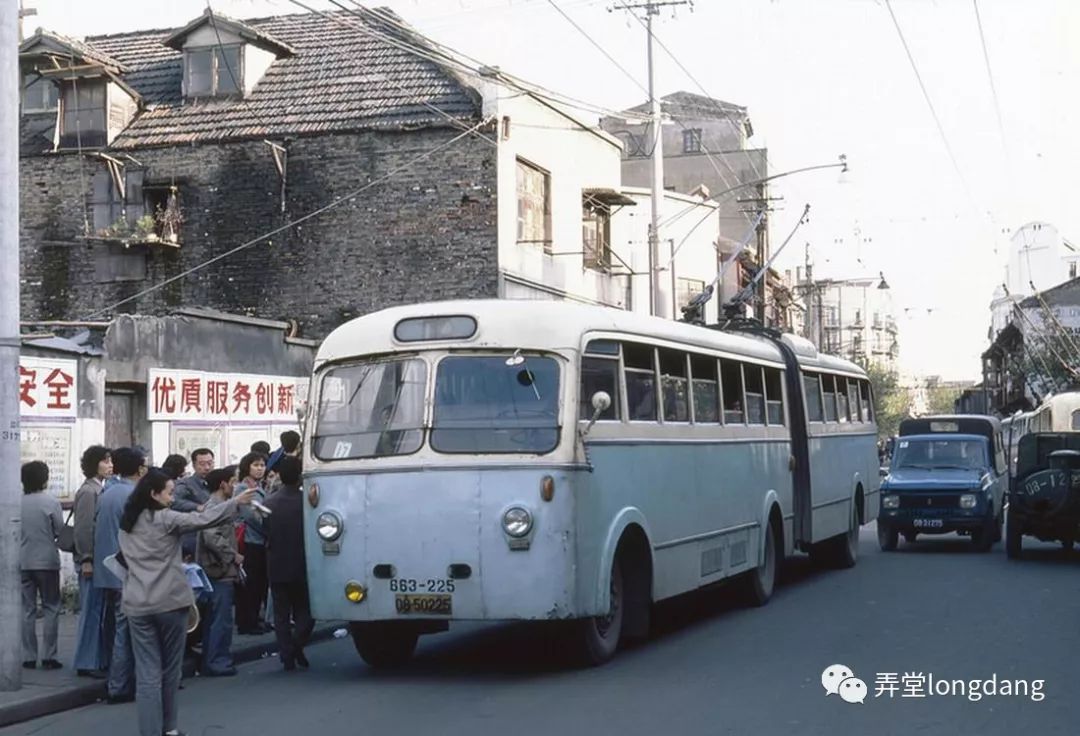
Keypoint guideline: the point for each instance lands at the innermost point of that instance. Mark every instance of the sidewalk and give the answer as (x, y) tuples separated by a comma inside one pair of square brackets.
[(46, 692)]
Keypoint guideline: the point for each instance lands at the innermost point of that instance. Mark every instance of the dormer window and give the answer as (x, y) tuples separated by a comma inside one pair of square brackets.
[(83, 123), (216, 71)]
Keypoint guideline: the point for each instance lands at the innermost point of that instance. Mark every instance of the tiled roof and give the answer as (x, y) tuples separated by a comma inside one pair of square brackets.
[(689, 105), (77, 47), (341, 79)]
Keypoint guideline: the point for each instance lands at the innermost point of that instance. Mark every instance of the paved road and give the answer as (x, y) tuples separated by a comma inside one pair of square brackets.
[(713, 667)]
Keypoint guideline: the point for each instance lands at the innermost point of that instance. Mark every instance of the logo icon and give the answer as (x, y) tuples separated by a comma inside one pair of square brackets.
[(838, 679)]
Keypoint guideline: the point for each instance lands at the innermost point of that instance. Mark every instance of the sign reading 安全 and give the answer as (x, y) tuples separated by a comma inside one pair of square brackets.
[(194, 395), (48, 387)]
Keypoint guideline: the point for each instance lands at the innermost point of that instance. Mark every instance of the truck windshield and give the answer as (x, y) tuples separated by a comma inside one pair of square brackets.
[(371, 409), (941, 454), (496, 404)]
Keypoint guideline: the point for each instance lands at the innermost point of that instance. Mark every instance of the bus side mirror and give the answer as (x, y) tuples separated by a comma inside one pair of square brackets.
[(601, 402)]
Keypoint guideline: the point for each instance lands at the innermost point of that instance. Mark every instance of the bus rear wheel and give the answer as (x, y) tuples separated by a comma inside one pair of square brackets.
[(384, 644), (842, 551), (597, 638), (761, 581)]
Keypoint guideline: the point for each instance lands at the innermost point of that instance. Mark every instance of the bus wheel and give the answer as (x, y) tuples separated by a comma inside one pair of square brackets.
[(887, 537), (597, 638), (841, 551), (384, 644), (1014, 535), (761, 581)]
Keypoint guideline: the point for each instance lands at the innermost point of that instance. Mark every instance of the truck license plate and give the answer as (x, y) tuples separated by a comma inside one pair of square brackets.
[(422, 604), (929, 523)]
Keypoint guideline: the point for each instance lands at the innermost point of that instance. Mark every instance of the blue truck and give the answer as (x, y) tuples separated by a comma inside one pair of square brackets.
[(948, 474)]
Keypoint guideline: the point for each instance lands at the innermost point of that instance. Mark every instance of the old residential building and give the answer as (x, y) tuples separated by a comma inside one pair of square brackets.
[(852, 318), (160, 158)]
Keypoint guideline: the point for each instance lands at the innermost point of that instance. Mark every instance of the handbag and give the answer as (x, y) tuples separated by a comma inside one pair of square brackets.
[(65, 538)]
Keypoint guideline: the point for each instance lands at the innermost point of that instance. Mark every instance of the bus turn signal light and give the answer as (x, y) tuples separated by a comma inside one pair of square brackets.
[(355, 592), (547, 488)]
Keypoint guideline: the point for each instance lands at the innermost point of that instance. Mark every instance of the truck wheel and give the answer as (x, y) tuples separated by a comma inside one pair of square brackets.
[(887, 537), (983, 539), (384, 644), (1014, 535), (910, 537), (597, 637)]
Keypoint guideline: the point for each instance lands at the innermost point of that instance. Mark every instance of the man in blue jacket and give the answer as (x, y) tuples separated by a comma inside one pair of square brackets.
[(128, 467)]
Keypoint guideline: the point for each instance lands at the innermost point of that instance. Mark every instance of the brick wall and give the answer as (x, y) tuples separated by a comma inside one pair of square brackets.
[(428, 233)]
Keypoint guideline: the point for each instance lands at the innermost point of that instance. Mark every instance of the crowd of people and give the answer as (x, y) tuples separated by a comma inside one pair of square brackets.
[(139, 533)]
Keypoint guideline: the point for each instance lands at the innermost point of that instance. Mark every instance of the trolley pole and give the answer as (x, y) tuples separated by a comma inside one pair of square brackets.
[(10, 483)]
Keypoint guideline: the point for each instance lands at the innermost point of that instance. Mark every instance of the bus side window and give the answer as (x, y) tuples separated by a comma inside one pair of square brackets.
[(853, 400), (674, 385), (868, 405), (600, 374), (731, 380), (705, 389), (774, 397), (638, 364), (755, 394), (812, 388), (842, 401), (828, 390)]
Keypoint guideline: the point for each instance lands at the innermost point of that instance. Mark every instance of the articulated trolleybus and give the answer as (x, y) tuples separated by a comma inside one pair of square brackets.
[(543, 461)]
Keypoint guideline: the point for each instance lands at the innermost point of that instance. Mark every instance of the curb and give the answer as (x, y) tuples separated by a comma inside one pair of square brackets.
[(93, 692)]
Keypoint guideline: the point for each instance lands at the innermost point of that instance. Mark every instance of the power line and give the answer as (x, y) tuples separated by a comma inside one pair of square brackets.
[(445, 56), (597, 46), (926, 94), (724, 113), (340, 200), (990, 75)]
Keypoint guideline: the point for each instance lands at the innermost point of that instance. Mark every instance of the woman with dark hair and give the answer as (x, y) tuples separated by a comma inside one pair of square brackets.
[(39, 561), (90, 660), (157, 596), (253, 593), (175, 466)]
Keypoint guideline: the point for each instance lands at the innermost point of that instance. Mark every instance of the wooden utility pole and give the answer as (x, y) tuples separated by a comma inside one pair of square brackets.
[(10, 482)]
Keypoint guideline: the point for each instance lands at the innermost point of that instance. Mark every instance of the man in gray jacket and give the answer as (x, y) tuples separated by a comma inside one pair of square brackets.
[(192, 493), (90, 649), (128, 467), (39, 560)]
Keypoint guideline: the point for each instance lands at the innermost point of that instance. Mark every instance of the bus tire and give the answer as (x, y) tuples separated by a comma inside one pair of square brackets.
[(384, 644), (597, 637), (761, 581), (842, 551)]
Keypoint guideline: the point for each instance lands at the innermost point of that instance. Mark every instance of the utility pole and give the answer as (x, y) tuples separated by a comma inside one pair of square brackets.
[(10, 484), (657, 305)]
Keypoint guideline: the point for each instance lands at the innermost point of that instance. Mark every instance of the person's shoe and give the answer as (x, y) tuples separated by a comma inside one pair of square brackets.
[(228, 672), (301, 659), (30, 664), (95, 674), (51, 664), (117, 699)]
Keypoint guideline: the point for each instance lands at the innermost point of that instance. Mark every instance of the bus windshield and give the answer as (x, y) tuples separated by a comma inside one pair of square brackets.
[(371, 409), (496, 404), (941, 454)]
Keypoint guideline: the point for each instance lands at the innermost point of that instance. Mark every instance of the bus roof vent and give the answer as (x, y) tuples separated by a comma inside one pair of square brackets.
[(802, 347)]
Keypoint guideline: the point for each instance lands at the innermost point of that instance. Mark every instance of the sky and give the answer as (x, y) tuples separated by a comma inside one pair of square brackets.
[(930, 209)]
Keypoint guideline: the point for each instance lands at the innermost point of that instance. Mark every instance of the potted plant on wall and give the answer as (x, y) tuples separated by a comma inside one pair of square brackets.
[(146, 229)]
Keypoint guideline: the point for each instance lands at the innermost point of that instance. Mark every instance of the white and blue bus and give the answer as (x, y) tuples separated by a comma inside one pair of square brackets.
[(532, 460)]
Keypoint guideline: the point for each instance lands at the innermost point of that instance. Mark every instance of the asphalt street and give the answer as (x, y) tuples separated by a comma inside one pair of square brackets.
[(714, 666)]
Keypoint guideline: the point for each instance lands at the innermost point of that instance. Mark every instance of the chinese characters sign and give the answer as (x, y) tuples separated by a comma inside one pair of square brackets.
[(47, 387), (192, 395)]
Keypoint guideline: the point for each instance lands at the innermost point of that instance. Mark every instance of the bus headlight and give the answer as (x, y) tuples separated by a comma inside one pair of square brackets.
[(517, 522), (329, 526), (968, 501), (890, 502)]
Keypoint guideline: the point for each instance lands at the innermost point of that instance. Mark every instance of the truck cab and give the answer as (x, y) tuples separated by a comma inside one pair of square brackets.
[(947, 474)]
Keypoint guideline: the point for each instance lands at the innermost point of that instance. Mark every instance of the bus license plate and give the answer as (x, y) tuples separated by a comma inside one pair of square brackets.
[(929, 523), (422, 604)]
